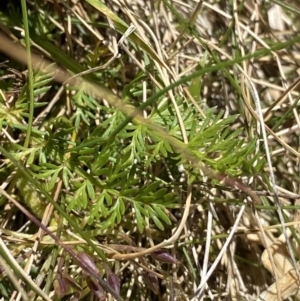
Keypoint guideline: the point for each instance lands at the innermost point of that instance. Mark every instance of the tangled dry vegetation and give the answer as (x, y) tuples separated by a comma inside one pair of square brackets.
[(158, 143)]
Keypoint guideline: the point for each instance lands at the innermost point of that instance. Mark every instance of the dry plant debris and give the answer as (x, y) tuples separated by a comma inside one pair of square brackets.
[(138, 142)]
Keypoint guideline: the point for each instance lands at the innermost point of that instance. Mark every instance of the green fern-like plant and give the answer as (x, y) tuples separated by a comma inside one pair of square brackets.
[(110, 180)]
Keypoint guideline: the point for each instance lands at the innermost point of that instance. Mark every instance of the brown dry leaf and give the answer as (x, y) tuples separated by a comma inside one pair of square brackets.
[(288, 284), (280, 255)]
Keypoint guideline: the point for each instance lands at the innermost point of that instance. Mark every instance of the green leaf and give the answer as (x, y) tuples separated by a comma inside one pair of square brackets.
[(31, 158), (120, 208), (90, 190), (130, 191), (151, 187), (53, 180), (195, 87), (139, 219), (110, 222), (141, 209), (66, 174), (157, 223), (107, 197), (162, 215), (103, 209), (154, 217), (146, 198), (160, 193)]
